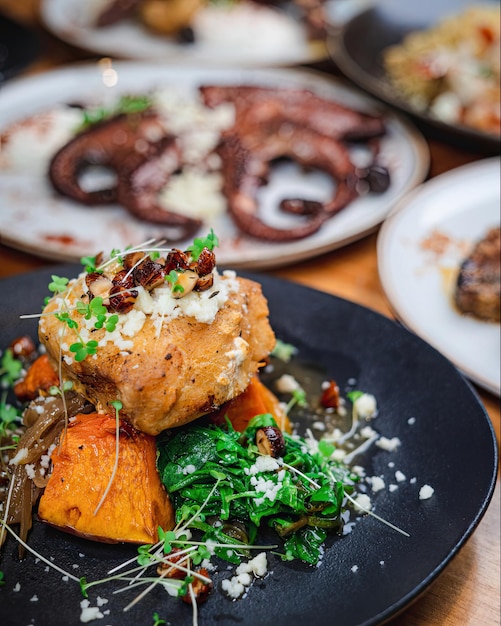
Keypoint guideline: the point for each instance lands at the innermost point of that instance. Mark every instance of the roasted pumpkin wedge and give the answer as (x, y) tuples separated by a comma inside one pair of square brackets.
[(136, 503), (255, 400), (41, 376)]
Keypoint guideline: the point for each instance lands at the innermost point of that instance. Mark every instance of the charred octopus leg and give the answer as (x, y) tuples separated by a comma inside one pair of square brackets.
[(143, 156), (246, 169)]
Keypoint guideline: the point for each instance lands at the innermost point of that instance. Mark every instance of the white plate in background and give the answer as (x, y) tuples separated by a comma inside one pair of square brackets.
[(455, 210), (35, 219), (130, 39)]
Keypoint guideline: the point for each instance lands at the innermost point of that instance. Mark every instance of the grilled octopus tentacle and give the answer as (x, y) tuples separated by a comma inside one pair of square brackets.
[(256, 106), (245, 169), (107, 144), (141, 178)]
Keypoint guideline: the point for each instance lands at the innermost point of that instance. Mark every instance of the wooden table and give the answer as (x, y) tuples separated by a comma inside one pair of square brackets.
[(467, 593)]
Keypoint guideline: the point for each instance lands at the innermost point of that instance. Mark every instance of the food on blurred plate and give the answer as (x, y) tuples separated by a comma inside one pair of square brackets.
[(180, 161), (276, 23), (478, 288), (452, 70)]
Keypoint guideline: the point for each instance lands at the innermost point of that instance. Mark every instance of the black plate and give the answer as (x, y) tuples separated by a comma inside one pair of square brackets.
[(451, 446), (357, 51), (18, 47)]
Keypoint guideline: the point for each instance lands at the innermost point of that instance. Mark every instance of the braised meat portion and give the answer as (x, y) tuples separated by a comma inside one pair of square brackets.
[(478, 285)]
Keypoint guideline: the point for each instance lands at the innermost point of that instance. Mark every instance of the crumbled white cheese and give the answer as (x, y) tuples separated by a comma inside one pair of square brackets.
[(367, 432), (236, 586), (89, 613), (189, 469), (264, 463), (20, 455), (233, 587), (132, 323), (400, 476), (240, 351), (426, 492), (366, 406), (287, 384), (377, 483), (195, 194), (30, 470), (388, 444), (362, 502)]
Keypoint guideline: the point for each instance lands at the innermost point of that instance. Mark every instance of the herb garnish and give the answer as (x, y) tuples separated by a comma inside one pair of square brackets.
[(199, 243), (10, 368), (126, 105)]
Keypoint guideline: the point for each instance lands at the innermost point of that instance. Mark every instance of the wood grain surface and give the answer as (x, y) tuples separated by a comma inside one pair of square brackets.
[(467, 593)]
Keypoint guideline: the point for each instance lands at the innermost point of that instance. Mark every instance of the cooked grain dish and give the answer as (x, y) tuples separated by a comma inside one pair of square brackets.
[(452, 70)]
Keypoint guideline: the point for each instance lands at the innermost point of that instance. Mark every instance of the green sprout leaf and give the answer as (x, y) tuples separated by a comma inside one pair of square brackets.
[(167, 537), (10, 368), (172, 278), (199, 243), (83, 350), (83, 587), (89, 263), (58, 284), (66, 319), (157, 620)]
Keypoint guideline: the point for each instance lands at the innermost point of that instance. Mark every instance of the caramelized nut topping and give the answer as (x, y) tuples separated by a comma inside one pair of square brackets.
[(270, 441)]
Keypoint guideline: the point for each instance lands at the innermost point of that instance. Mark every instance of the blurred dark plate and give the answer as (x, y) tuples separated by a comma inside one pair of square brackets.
[(356, 48), (451, 446), (18, 47)]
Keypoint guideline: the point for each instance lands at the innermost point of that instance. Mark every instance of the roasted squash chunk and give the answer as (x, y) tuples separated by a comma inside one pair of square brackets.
[(41, 376), (136, 503), (255, 400)]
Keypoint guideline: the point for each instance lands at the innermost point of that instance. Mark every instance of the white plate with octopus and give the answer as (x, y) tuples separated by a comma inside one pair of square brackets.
[(42, 114)]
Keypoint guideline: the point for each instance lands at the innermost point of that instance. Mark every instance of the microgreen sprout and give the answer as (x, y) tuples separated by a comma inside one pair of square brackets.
[(59, 284), (117, 405), (10, 368), (157, 620), (89, 263), (283, 351), (210, 241), (66, 319), (128, 104), (58, 391), (173, 278), (298, 398), (95, 308), (83, 350), (10, 417)]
